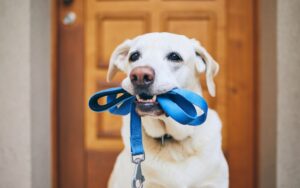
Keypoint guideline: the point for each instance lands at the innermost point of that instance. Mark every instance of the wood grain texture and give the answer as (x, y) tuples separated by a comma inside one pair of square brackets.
[(241, 96), (256, 99), (99, 168)]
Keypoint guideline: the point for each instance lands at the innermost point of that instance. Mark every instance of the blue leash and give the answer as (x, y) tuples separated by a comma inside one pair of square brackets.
[(179, 104)]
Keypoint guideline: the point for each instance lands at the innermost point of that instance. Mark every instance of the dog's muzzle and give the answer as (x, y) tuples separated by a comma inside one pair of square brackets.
[(142, 78)]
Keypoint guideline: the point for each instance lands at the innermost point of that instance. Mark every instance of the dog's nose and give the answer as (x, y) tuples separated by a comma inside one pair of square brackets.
[(142, 76)]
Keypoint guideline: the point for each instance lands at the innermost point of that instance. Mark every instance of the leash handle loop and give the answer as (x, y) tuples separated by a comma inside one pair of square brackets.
[(179, 104), (112, 101)]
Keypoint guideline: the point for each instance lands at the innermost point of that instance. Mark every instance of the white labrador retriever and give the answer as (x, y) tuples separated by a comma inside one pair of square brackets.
[(177, 156)]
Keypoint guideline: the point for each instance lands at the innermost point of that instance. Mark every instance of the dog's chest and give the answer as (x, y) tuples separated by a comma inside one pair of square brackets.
[(172, 174)]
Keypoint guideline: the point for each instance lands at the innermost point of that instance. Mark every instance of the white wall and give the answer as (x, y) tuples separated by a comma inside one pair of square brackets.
[(40, 92), (24, 94), (15, 131), (279, 149), (288, 100)]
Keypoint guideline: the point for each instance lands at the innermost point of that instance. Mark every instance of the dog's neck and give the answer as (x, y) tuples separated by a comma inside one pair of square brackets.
[(166, 145), (169, 149)]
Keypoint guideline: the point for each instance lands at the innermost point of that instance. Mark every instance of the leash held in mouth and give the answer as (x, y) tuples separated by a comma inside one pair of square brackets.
[(179, 104)]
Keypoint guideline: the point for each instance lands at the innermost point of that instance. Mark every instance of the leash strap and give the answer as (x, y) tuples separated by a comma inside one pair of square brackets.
[(179, 104), (121, 105)]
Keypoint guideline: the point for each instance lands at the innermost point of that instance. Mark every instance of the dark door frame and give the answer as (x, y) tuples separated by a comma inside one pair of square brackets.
[(68, 151)]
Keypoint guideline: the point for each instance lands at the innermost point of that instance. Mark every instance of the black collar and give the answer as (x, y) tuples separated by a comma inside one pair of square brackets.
[(164, 138)]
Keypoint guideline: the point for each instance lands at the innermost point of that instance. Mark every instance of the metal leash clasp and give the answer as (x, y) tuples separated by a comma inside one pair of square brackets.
[(138, 178)]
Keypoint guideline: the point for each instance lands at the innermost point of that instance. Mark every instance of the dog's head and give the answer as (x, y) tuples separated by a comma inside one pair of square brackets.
[(158, 62)]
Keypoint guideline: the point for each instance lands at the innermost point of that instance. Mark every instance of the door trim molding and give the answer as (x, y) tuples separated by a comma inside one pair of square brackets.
[(242, 91), (68, 153), (54, 67)]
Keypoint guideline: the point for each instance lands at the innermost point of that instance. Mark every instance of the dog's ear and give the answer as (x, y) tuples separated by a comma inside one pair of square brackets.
[(118, 59), (206, 63)]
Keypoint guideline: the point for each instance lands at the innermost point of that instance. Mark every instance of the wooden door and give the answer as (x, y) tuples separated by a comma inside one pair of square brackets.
[(88, 142)]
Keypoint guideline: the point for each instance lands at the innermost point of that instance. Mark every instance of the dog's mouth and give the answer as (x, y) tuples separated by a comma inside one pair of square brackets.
[(147, 105)]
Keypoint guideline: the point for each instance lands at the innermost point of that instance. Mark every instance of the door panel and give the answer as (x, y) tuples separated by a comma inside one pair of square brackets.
[(111, 22), (107, 23), (104, 31)]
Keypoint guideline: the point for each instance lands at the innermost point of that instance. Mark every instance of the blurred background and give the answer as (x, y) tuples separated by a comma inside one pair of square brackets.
[(54, 55)]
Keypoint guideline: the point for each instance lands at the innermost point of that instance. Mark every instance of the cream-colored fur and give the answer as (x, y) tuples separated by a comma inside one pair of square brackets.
[(194, 159)]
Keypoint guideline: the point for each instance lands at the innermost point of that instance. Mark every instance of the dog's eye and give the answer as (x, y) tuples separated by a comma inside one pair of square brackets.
[(174, 56), (134, 56)]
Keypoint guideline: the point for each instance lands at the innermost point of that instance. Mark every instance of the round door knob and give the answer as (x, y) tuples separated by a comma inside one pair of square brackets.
[(69, 18)]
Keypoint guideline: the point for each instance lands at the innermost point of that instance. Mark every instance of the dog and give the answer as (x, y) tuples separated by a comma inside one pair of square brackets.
[(177, 156)]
